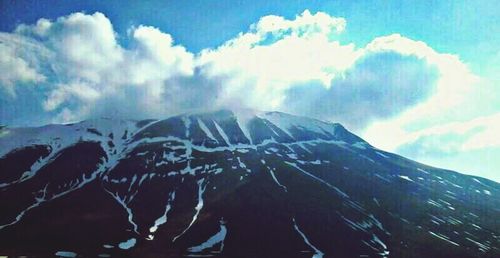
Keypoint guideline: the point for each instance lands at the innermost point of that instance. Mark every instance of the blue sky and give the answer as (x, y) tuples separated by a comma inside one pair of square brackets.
[(448, 26), (420, 78)]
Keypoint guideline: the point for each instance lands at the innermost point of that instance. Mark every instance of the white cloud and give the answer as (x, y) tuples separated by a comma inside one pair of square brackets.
[(455, 88), (478, 133), (15, 63), (84, 45), (277, 53), (469, 146), (154, 53), (296, 65), (83, 65), (299, 66), (455, 80), (304, 25), (64, 92), (378, 86)]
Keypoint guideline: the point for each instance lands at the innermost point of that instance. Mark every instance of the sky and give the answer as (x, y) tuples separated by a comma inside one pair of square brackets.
[(418, 78)]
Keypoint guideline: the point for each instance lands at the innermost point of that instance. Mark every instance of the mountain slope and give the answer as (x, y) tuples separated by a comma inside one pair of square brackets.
[(232, 184)]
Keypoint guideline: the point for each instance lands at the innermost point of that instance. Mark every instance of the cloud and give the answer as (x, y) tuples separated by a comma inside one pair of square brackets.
[(273, 66), (84, 69), (304, 25), (470, 146), (84, 46), (15, 63), (294, 65), (277, 53), (377, 86), (454, 137)]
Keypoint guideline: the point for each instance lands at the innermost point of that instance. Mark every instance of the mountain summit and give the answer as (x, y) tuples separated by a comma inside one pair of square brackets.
[(232, 184)]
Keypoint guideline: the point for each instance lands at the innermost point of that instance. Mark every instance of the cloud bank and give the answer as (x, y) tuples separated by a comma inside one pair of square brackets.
[(78, 69)]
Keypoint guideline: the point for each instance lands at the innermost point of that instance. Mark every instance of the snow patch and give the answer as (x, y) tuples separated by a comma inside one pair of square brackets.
[(443, 237), (359, 145), (382, 154), (240, 163), (187, 124), (213, 240), (423, 171), (405, 178), (199, 206), (127, 244), (163, 219), (318, 179), (243, 118), (276, 180), (286, 122), (205, 129), (222, 133), (65, 254), (124, 203), (317, 252)]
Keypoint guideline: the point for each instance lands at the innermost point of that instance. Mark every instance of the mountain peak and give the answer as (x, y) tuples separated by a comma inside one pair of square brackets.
[(224, 127), (244, 126)]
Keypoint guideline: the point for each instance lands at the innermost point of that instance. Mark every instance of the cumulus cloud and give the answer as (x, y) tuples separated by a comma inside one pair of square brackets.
[(377, 86), (293, 65), (16, 64), (277, 53), (450, 103), (85, 72), (84, 46)]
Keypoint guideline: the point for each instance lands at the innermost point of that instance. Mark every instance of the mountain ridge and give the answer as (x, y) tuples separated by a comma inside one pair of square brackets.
[(327, 182), (142, 123)]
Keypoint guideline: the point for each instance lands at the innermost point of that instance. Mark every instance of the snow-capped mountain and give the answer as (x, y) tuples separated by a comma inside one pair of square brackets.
[(232, 184)]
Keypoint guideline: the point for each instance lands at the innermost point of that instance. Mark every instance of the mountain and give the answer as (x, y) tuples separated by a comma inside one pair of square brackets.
[(232, 184)]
